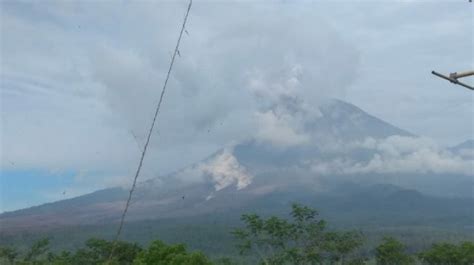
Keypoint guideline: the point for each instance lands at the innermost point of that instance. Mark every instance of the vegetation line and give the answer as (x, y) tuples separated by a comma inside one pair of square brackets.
[(302, 239)]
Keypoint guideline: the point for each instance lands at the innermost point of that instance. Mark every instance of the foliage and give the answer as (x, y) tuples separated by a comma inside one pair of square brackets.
[(159, 253), (302, 241), (340, 244), (202, 233), (449, 254), (97, 251), (392, 252), (224, 261), (37, 251), (7, 254)]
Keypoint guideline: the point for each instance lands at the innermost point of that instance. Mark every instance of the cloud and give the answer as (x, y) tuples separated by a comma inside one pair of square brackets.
[(423, 161), (388, 34), (103, 79), (272, 88), (466, 153), (232, 82), (397, 145), (281, 113), (397, 155), (279, 130)]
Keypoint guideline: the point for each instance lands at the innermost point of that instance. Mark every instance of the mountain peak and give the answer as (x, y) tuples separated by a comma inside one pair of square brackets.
[(344, 121), (468, 144), (464, 149)]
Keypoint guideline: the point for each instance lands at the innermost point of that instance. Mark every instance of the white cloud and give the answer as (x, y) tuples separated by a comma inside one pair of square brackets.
[(397, 154), (282, 112), (279, 130), (95, 81), (466, 153), (397, 145), (271, 87), (422, 161)]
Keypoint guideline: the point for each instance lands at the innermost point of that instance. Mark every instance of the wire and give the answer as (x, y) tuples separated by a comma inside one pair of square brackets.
[(127, 204)]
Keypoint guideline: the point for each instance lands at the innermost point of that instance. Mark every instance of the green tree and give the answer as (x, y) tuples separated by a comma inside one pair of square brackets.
[(37, 254), (224, 261), (449, 254), (392, 252), (340, 245), (466, 250), (97, 251), (7, 255), (38, 251), (277, 241), (159, 253), (63, 258)]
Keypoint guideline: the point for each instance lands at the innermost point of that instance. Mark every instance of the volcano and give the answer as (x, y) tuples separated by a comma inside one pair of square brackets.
[(353, 162)]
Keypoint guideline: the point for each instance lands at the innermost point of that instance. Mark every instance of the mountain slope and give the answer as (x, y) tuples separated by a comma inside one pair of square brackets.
[(346, 143), (345, 121), (464, 149)]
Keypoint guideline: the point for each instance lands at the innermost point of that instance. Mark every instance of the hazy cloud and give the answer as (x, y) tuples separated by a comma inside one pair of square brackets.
[(397, 154), (279, 130)]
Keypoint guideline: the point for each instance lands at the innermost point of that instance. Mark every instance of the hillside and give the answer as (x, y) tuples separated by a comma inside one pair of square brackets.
[(337, 177)]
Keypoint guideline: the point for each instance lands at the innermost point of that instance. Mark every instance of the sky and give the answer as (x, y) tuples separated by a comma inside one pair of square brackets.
[(79, 81)]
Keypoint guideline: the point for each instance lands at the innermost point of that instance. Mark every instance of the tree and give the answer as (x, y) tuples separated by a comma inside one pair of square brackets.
[(37, 254), (159, 253), (63, 258), (466, 250), (277, 241), (341, 244), (392, 252), (37, 250), (97, 251), (7, 255), (224, 261), (449, 254)]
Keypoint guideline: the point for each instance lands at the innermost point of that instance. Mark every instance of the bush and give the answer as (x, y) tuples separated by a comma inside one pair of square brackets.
[(449, 254), (392, 252), (158, 253), (301, 241)]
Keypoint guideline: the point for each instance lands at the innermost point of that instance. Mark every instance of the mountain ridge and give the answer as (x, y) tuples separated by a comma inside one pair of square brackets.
[(253, 172)]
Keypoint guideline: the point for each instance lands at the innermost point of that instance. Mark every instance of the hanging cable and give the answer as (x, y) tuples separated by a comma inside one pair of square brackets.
[(127, 204)]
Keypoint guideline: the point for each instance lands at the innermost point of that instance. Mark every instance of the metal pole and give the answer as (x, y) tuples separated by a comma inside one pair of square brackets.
[(456, 75), (453, 80)]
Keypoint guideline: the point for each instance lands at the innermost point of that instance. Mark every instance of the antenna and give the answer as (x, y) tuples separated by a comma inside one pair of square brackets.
[(453, 78)]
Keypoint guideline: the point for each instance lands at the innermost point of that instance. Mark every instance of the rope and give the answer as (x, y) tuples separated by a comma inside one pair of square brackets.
[(122, 219)]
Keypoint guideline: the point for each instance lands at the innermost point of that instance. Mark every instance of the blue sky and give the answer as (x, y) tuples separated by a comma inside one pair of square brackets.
[(79, 79), (20, 188)]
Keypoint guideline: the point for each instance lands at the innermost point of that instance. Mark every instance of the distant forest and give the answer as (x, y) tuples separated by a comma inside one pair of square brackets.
[(303, 239)]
